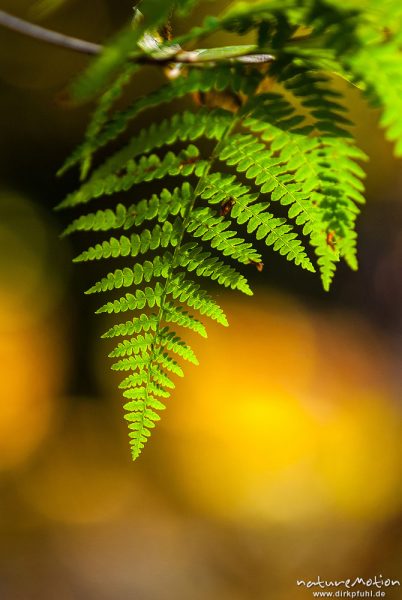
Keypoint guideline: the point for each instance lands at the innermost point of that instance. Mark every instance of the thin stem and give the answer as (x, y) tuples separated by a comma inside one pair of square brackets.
[(48, 36), (194, 57)]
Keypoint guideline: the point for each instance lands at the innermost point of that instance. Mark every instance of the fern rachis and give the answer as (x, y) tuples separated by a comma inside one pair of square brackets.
[(282, 168)]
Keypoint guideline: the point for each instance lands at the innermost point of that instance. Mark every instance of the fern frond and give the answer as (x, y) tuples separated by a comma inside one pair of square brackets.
[(148, 297), (184, 127), (338, 186), (133, 381), (197, 80), (276, 232), (127, 277), (169, 364), (378, 65), (157, 207), (101, 115), (147, 169), (187, 126), (269, 156), (204, 224), (181, 317), (190, 293), (194, 258), (160, 236), (137, 325), (118, 52), (136, 345), (300, 167), (99, 73), (173, 343)]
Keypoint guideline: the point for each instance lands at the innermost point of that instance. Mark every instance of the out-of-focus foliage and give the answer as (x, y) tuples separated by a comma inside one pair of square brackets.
[(44, 8), (285, 131)]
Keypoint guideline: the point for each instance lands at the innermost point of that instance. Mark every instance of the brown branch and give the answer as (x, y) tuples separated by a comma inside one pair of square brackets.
[(192, 57), (48, 36)]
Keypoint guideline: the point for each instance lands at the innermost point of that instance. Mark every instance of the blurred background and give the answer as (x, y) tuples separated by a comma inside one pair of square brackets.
[(279, 457)]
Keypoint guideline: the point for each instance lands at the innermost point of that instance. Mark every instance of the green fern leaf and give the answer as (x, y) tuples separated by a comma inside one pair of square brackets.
[(275, 231), (142, 323), (279, 168), (147, 169)]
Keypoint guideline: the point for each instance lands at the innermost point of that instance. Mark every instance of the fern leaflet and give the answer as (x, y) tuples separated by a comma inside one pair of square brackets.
[(268, 161)]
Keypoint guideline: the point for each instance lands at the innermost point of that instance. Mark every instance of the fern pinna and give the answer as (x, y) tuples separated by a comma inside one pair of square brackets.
[(282, 167)]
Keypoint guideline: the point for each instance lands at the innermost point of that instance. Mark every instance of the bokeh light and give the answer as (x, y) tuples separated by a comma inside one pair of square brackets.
[(32, 353), (287, 405), (279, 457)]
